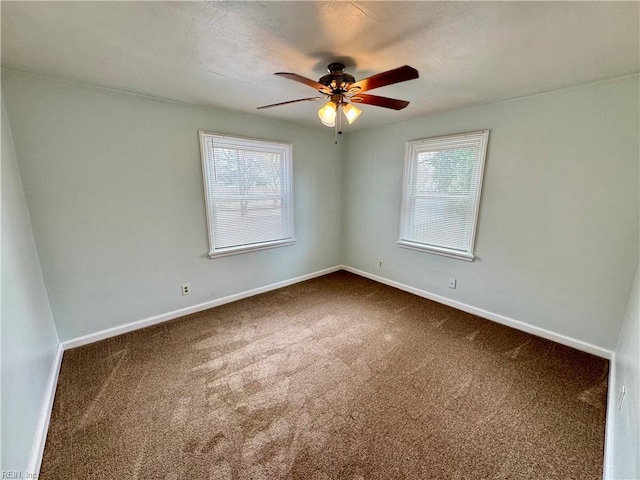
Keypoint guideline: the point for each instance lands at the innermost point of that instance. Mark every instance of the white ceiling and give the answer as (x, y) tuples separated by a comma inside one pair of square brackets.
[(224, 54)]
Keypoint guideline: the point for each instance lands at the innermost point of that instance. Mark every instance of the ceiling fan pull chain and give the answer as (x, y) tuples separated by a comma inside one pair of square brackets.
[(338, 130)]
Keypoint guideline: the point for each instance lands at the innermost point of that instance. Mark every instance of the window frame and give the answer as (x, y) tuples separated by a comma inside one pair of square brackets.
[(236, 142), (413, 147)]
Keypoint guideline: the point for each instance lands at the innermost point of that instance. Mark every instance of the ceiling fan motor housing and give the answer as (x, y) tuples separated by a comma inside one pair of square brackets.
[(336, 79)]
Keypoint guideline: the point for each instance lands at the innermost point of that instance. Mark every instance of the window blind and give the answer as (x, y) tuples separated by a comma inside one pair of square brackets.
[(441, 193), (248, 190)]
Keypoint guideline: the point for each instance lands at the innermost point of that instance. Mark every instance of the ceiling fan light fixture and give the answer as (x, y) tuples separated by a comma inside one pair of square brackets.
[(351, 112), (327, 114), (338, 87)]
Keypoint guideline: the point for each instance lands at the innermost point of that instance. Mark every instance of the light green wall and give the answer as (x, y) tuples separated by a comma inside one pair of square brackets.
[(625, 423), (29, 339), (557, 240), (114, 187)]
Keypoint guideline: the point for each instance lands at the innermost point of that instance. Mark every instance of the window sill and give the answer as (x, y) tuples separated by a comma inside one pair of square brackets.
[(436, 250), (225, 252)]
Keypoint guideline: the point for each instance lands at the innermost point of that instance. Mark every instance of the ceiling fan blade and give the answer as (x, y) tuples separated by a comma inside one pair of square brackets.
[(385, 102), (310, 99), (397, 75), (307, 81)]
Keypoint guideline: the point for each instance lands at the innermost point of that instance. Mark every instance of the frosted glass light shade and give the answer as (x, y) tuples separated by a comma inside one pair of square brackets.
[(327, 114), (351, 112)]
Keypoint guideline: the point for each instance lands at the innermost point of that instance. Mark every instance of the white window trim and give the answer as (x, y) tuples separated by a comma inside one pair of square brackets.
[(286, 149), (439, 142)]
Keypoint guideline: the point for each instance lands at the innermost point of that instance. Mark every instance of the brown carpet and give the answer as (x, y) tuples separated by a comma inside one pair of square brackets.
[(335, 378)]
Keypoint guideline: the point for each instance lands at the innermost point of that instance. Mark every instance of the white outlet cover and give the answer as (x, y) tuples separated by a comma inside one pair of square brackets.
[(452, 283)]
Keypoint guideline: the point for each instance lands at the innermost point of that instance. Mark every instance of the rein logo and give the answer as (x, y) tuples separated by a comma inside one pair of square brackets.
[(17, 474)]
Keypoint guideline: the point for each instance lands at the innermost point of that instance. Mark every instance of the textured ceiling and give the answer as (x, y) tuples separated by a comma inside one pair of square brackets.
[(224, 54)]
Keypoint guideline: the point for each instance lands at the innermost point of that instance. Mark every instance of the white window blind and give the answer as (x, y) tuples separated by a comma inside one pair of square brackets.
[(441, 193), (248, 193)]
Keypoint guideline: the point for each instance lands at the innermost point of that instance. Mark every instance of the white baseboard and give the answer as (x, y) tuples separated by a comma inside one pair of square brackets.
[(147, 322), (607, 474), (45, 414), (510, 322)]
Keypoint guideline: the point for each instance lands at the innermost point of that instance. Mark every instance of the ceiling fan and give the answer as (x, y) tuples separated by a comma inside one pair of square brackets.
[(341, 88)]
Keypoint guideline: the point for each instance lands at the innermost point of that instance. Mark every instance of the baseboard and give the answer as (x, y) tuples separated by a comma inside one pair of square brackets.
[(45, 414), (510, 322), (607, 474), (147, 322)]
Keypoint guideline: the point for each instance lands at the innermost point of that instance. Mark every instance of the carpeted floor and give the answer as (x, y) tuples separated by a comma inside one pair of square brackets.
[(335, 378)]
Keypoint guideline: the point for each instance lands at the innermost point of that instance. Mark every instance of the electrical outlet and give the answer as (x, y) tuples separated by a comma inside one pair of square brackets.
[(452, 282), (186, 289), (380, 264)]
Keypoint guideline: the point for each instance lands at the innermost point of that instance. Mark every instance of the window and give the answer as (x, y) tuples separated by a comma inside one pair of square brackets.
[(248, 193), (441, 193)]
